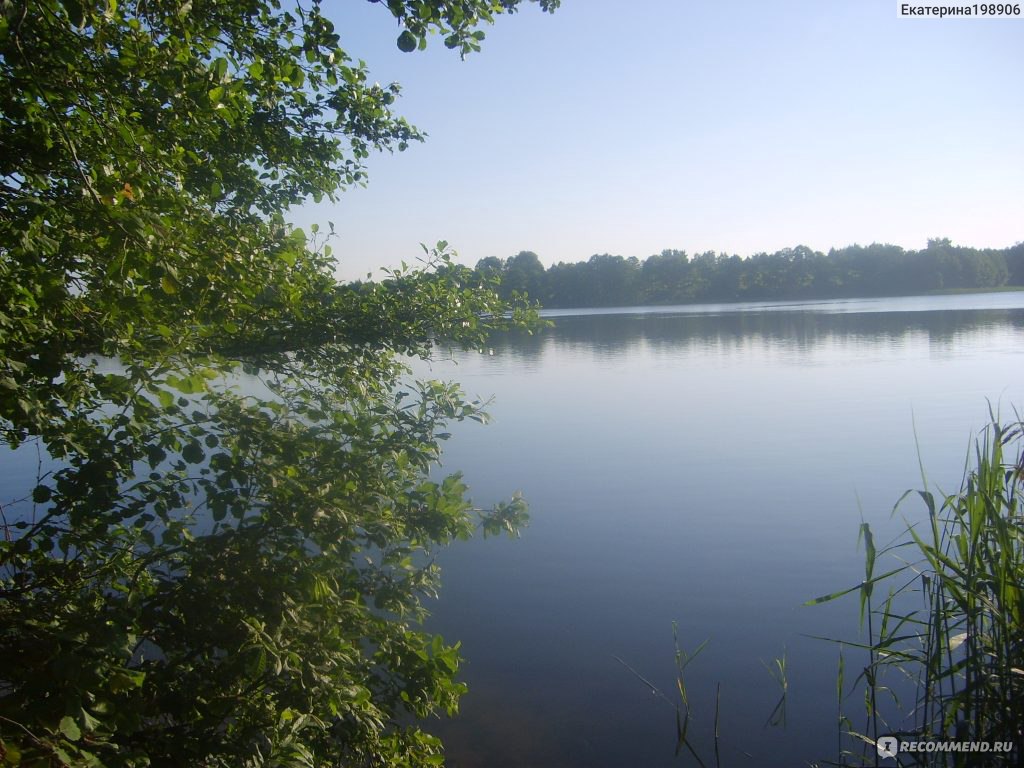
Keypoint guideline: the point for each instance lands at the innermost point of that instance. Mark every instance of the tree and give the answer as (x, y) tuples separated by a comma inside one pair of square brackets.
[(665, 277), (490, 268), (610, 280), (1015, 264), (223, 556), (523, 274)]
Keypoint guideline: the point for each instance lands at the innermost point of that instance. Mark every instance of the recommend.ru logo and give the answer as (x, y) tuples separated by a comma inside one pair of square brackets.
[(887, 746)]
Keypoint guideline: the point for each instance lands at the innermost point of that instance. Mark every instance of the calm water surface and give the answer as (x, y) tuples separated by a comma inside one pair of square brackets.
[(707, 466)]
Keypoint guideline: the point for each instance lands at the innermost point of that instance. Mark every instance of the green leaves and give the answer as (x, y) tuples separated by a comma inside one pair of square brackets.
[(234, 469), (407, 42), (70, 729), (192, 384), (219, 69), (456, 22), (193, 453)]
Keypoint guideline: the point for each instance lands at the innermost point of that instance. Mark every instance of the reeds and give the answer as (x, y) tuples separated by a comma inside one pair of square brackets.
[(950, 632)]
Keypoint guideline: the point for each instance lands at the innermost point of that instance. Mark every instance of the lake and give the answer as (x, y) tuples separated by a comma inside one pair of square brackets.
[(707, 466)]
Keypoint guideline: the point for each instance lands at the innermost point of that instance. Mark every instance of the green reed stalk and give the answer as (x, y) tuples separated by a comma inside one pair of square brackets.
[(965, 646)]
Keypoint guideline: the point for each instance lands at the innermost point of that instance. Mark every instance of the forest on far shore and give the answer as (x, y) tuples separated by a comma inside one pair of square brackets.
[(674, 277)]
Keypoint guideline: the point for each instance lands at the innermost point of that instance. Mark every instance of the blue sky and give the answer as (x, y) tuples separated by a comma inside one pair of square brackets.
[(738, 126)]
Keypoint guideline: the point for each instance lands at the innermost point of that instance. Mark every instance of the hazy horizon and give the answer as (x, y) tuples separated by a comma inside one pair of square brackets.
[(737, 127)]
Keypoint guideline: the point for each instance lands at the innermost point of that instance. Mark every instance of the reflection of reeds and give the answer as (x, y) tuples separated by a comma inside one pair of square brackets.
[(682, 707), (964, 651), (777, 669), (683, 659), (684, 741)]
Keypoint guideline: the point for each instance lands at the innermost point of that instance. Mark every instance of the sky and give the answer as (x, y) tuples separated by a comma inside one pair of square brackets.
[(727, 125)]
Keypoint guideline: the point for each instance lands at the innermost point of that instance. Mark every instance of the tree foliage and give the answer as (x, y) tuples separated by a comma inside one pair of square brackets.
[(674, 277), (223, 555)]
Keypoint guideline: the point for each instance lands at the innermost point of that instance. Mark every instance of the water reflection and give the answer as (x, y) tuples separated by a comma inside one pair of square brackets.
[(608, 336), (704, 466)]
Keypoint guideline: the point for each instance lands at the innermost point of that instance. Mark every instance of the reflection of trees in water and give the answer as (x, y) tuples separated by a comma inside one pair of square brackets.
[(609, 335)]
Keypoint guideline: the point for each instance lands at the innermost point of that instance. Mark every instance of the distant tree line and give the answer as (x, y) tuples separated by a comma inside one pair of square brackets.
[(674, 277)]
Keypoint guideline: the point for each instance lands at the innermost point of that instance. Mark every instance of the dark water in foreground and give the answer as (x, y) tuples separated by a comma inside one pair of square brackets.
[(707, 466)]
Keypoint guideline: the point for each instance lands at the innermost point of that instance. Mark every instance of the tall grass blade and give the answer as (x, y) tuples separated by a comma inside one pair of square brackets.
[(963, 649)]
